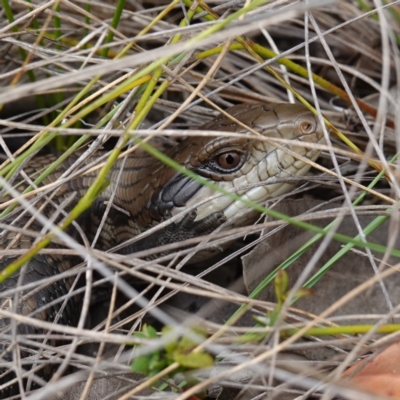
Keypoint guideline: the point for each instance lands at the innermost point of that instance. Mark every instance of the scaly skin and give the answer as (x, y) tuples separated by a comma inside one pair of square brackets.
[(150, 193)]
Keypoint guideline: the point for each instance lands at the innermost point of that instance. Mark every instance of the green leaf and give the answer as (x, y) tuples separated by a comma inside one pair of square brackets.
[(158, 365), (281, 286), (186, 344), (273, 316), (303, 292), (251, 338), (141, 365), (149, 332), (194, 360), (263, 320), (172, 343), (103, 186)]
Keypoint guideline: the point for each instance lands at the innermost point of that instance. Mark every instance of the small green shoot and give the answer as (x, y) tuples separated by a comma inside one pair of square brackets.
[(281, 286), (175, 350)]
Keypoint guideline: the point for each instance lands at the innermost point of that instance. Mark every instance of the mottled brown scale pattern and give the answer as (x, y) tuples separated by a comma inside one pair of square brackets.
[(146, 187)]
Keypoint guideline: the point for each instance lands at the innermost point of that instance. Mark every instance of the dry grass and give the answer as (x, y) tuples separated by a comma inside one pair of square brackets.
[(65, 81)]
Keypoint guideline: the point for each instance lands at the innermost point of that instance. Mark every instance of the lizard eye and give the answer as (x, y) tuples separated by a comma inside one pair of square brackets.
[(229, 160), (226, 161)]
